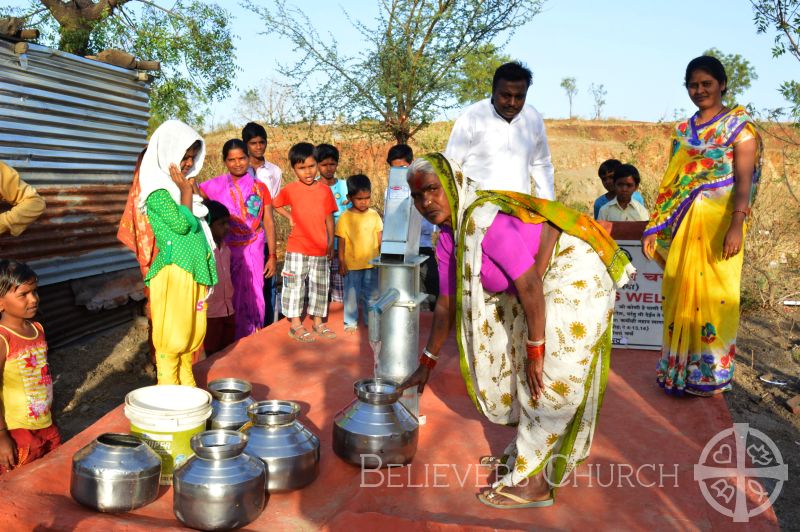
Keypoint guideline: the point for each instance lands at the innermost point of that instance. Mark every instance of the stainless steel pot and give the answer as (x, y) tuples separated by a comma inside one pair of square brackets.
[(375, 430), (288, 449), (231, 400), (219, 488), (115, 473)]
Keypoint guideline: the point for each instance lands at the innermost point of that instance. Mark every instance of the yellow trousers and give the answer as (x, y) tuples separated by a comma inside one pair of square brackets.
[(179, 328)]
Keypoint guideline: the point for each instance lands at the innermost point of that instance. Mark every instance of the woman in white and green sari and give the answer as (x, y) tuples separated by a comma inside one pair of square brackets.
[(530, 286)]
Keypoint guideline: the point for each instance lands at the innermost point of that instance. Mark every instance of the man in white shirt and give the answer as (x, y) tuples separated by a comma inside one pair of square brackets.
[(500, 142)]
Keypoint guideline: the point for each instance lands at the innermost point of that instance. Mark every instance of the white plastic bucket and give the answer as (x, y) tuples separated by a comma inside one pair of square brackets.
[(166, 417)]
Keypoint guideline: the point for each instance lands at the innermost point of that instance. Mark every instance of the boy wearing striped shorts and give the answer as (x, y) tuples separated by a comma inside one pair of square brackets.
[(309, 207)]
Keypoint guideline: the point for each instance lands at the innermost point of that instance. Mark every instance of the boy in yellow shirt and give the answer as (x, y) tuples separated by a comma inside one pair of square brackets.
[(358, 233)]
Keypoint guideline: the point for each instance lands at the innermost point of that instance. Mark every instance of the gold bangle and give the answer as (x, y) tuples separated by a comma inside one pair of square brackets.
[(743, 212)]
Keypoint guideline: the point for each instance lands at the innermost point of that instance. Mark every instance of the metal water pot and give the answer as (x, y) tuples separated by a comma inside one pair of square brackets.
[(115, 473), (289, 450), (219, 488), (375, 430), (229, 406)]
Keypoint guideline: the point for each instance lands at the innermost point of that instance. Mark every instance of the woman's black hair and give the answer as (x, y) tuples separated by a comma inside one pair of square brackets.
[(711, 66), (14, 274), (233, 144), (252, 130), (216, 211)]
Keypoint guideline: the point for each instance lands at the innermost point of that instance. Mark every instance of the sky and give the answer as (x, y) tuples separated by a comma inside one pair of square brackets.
[(637, 49)]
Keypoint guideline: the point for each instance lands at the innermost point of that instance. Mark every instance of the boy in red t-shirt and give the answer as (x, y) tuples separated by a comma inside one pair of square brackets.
[(310, 244)]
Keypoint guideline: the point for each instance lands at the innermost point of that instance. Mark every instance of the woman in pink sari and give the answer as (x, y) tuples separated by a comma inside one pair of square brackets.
[(250, 205)]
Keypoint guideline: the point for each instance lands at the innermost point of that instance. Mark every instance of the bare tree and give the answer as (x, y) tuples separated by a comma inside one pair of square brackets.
[(271, 103), (571, 88), (406, 73), (599, 94)]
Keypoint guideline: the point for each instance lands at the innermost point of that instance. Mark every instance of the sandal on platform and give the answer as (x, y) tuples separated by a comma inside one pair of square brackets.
[(486, 498), (323, 331), (491, 461), (300, 334)]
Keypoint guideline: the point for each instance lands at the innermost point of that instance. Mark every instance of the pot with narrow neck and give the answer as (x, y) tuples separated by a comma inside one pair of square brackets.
[(375, 430), (221, 487), (288, 449), (230, 403), (115, 473)]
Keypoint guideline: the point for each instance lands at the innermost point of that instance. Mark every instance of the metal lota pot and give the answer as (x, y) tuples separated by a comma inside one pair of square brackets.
[(115, 473), (288, 449), (229, 406), (220, 488), (375, 430)]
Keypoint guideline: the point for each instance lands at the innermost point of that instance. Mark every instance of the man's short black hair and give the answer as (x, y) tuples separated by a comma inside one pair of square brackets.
[(608, 166), (625, 170), (252, 130), (513, 71), (358, 183), (326, 151), (300, 152), (400, 151)]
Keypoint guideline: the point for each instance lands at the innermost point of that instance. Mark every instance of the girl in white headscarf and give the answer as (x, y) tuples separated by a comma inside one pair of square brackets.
[(184, 269)]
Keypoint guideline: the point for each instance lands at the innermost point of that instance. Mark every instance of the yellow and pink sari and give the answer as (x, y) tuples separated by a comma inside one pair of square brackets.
[(700, 290)]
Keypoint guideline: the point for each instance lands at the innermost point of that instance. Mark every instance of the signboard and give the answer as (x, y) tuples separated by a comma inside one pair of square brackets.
[(638, 322)]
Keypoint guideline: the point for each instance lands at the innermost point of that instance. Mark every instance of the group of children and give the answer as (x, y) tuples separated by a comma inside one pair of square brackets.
[(334, 235), (622, 201)]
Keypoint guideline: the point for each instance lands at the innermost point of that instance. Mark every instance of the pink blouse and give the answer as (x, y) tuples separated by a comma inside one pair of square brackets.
[(509, 250)]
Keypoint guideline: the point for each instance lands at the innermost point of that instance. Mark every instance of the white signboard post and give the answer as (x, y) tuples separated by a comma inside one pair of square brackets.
[(638, 322)]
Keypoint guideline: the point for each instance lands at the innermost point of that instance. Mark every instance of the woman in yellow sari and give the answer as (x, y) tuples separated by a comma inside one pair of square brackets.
[(696, 232)]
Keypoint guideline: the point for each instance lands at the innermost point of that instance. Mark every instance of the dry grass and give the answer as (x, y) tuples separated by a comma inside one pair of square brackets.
[(772, 260)]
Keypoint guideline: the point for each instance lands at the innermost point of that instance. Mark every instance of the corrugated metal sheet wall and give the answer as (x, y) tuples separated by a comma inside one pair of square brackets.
[(73, 128)]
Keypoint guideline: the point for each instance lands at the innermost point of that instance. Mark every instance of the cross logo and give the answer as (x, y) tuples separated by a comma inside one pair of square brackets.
[(723, 469)]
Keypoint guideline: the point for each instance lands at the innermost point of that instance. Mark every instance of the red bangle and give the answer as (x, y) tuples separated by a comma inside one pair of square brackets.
[(427, 361), (535, 351), (272, 256)]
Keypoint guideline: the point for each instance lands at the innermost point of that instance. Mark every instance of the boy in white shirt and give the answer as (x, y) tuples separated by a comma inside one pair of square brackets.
[(623, 208)]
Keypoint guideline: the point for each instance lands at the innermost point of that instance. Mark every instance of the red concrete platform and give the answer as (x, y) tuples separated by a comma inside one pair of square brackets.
[(639, 427)]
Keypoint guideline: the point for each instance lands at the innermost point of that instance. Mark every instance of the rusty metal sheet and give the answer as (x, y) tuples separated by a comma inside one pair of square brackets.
[(72, 127), (69, 120), (75, 236)]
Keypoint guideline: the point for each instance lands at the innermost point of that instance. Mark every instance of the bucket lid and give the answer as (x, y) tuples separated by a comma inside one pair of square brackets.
[(168, 400)]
